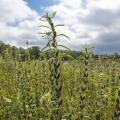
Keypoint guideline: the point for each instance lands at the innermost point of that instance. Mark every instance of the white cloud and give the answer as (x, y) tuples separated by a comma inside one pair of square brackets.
[(71, 4), (15, 10), (18, 22), (112, 5), (90, 23)]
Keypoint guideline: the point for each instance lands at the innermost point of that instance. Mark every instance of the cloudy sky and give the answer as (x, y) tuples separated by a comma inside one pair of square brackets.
[(94, 22)]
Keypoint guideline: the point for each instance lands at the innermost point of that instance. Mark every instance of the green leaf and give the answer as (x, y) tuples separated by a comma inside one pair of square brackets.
[(48, 33), (59, 25), (45, 33), (52, 15), (63, 35), (42, 33)]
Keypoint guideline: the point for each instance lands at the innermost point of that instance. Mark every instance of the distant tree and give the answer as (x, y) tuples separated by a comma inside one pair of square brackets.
[(22, 54), (14, 51), (2, 47), (115, 55), (34, 52)]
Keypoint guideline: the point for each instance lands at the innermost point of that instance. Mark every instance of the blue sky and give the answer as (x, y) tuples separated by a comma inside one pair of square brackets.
[(39, 5), (93, 22)]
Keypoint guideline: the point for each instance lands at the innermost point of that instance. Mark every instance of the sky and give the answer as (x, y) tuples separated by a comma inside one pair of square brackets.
[(92, 22)]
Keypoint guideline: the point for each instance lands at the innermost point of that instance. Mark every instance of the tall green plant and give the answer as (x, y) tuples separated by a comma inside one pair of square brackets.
[(54, 66), (84, 87)]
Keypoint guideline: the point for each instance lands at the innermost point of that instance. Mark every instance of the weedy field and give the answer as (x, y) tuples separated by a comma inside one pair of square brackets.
[(55, 89)]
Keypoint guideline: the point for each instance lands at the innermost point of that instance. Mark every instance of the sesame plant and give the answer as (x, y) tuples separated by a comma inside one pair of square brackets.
[(54, 66)]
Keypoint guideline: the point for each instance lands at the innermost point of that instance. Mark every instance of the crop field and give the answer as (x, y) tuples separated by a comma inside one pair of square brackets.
[(57, 89)]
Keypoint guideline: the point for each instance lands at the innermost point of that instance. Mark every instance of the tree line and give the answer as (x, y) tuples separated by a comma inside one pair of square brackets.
[(35, 53)]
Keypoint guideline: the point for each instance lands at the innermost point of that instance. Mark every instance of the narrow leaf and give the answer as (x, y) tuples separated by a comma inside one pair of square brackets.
[(42, 33), (52, 15), (59, 25), (63, 35)]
